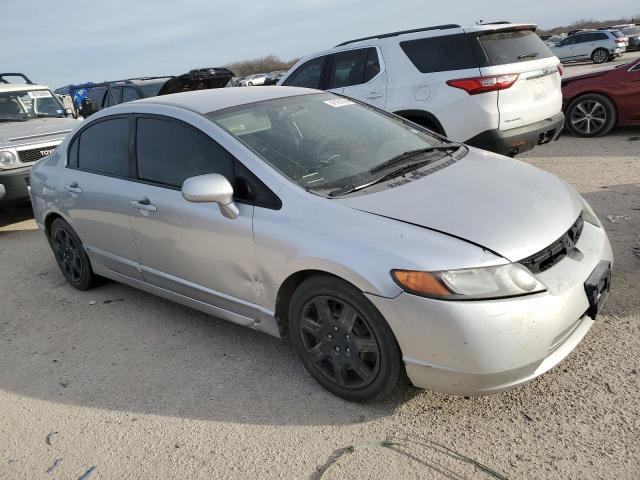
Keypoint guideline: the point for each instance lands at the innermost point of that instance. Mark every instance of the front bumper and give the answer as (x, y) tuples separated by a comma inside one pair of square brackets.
[(521, 139), (482, 347), (15, 184)]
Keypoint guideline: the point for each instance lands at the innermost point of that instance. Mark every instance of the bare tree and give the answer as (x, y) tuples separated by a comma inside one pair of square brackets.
[(589, 23), (266, 64)]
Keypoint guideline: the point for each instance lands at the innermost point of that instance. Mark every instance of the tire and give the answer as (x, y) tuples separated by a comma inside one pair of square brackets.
[(343, 341), (250, 84), (599, 55), (590, 115), (70, 256)]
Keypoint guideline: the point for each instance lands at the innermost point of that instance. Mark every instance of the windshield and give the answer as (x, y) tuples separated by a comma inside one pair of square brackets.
[(24, 105), (322, 141)]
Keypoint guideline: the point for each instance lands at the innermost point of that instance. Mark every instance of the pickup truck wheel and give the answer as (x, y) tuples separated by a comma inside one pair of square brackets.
[(71, 256), (599, 55), (591, 115)]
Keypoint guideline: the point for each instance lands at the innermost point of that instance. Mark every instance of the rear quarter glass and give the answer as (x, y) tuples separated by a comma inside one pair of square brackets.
[(441, 54)]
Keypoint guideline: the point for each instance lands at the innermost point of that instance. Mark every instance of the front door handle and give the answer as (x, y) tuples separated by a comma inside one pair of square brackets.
[(374, 95), (73, 188), (143, 204)]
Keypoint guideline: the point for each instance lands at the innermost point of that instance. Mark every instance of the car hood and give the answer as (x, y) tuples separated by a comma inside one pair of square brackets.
[(13, 134), (500, 204)]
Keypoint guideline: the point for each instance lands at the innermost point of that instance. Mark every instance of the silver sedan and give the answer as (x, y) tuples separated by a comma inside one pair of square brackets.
[(374, 246)]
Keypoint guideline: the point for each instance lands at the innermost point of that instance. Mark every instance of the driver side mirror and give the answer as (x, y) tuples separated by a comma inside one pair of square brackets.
[(68, 112), (212, 187)]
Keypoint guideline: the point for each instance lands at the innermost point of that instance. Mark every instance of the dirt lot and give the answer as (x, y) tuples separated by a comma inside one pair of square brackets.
[(138, 387)]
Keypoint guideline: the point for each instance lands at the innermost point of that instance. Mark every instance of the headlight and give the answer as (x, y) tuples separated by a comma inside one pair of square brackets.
[(8, 159), (588, 215), (471, 283)]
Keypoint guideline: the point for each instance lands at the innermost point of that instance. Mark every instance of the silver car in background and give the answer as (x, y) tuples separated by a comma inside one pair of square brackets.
[(372, 244)]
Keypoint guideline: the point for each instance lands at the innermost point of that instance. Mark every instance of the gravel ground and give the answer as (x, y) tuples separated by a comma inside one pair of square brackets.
[(138, 387)]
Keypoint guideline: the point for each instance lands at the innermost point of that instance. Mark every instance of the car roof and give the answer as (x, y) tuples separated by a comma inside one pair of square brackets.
[(21, 87), (204, 101)]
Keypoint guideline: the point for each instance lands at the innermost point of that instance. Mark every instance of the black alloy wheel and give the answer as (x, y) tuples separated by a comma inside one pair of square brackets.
[(339, 342), (70, 256), (343, 340)]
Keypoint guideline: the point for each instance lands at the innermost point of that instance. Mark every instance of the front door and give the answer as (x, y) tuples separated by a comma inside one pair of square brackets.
[(190, 248)]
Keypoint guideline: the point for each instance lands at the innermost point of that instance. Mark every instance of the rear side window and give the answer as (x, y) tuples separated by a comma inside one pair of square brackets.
[(307, 75), (114, 97), (513, 46), (104, 147), (616, 34), (353, 67), (169, 152), (440, 54)]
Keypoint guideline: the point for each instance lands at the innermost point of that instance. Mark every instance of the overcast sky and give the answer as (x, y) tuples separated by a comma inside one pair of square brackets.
[(57, 42)]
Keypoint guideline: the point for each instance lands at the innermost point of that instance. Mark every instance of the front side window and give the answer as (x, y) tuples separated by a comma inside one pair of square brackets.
[(513, 46), (25, 105), (308, 75), (440, 54), (104, 147), (169, 152), (322, 141), (348, 68)]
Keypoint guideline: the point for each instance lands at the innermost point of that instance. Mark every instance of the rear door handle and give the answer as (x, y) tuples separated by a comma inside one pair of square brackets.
[(374, 95), (73, 188), (144, 204)]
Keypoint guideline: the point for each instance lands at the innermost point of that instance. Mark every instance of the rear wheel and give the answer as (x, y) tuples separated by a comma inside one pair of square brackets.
[(599, 55), (591, 115), (71, 256), (343, 341)]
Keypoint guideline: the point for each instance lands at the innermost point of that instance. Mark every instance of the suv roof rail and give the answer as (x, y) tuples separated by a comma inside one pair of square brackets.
[(500, 22), (402, 32), (3, 80)]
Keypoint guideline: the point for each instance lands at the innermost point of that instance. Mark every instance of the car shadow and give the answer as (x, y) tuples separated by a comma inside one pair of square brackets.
[(117, 348), (618, 207), (15, 218)]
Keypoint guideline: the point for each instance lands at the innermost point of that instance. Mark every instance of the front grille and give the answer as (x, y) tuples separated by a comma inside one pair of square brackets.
[(35, 154), (549, 256)]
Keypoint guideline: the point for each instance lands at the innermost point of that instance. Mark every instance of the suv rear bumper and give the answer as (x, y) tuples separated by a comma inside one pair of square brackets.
[(14, 185), (521, 139)]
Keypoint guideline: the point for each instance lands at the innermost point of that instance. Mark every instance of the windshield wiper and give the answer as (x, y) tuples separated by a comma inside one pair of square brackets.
[(528, 55), (405, 168), (412, 153)]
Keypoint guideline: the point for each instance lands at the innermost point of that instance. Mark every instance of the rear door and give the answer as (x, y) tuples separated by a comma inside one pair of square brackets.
[(357, 73), (536, 93), (98, 182)]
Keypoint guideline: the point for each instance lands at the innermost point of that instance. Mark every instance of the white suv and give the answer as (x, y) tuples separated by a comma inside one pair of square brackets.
[(599, 46), (493, 86)]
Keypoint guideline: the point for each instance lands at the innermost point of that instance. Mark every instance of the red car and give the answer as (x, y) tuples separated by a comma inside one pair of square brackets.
[(595, 102)]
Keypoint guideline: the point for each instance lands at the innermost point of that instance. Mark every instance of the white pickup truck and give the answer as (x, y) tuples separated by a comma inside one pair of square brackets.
[(33, 122)]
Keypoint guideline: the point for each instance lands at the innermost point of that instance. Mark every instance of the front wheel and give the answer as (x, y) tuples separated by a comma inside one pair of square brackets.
[(591, 115), (599, 55), (343, 341)]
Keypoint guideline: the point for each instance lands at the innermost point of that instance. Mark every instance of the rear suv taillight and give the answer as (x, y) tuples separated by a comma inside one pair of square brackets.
[(619, 40), (475, 85)]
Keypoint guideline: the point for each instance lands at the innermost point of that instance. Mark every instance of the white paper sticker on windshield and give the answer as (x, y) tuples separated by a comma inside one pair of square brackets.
[(338, 102), (39, 94)]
